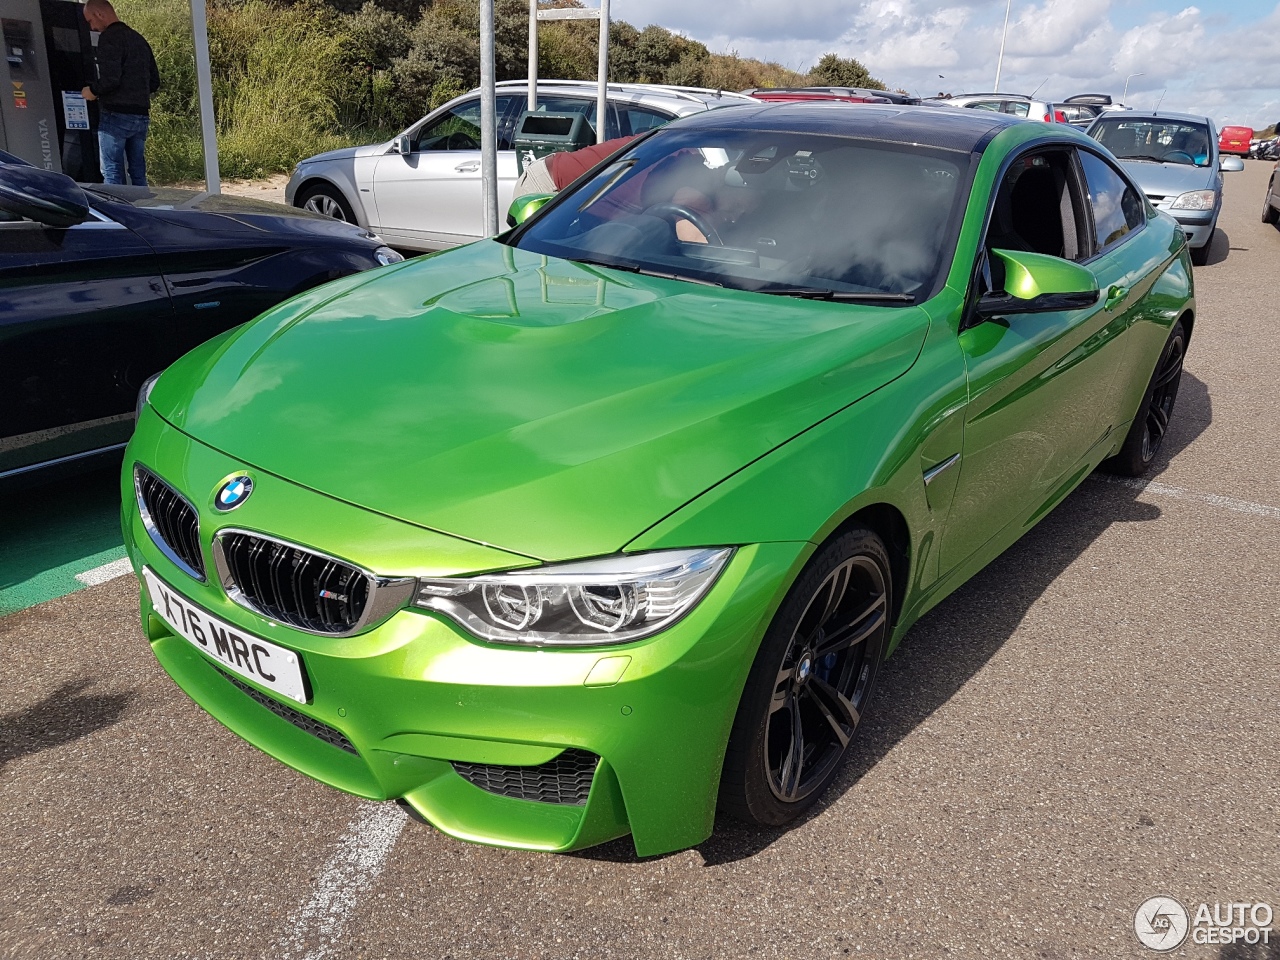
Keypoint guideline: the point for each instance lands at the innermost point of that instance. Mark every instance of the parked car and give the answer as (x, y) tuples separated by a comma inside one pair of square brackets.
[(1174, 158), (1271, 202), (587, 530), (101, 287), (1013, 104), (1235, 140), (421, 189), (850, 94)]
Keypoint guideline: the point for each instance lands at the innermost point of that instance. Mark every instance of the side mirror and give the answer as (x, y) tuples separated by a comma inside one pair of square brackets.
[(522, 208), (53, 199), (1036, 283), (1230, 164), (402, 145)]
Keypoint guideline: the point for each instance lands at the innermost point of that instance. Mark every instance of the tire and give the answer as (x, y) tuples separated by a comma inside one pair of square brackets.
[(810, 684), (1269, 213), (327, 201), (1200, 255), (1150, 426)]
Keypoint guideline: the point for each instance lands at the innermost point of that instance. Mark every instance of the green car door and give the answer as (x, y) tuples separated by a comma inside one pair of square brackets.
[(1039, 382)]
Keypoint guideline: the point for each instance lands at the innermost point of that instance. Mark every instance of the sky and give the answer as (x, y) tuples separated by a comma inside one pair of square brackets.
[(1220, 58)]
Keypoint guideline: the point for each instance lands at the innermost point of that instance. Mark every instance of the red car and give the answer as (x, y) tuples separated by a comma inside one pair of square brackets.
[(1235, 140)]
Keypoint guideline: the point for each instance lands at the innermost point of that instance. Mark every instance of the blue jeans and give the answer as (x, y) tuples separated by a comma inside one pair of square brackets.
[(122, 137)]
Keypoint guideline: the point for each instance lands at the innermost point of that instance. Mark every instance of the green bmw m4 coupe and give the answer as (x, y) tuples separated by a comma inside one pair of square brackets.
[(606, 525)]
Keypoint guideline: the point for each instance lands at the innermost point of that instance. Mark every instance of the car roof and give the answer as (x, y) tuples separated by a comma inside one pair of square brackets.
[(677, 99), (948, 129), (1152, 115)]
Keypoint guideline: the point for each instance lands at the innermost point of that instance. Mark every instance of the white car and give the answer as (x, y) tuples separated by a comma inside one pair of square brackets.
[(421, 190), (1010, 103)]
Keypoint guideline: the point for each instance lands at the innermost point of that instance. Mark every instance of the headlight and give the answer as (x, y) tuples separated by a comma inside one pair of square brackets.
[(385, 256), (612, 600), (1194, 200), (144, 395)]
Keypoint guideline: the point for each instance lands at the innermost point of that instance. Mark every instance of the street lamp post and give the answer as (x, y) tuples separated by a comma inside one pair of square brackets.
[(1125, 96)]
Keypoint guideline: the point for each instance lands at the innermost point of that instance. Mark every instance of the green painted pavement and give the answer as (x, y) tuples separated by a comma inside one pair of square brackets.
[(50, 532)]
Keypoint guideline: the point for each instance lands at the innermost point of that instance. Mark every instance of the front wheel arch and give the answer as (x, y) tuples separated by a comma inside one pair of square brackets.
[(311, 184)]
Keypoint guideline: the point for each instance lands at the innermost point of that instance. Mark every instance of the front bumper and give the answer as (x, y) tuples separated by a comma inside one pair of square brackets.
[(1198, 226), (415, 695)]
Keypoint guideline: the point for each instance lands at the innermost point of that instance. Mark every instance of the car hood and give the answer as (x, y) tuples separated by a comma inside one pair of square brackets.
[(349, 153), (550, 408), (219, 213), (1170, 179)]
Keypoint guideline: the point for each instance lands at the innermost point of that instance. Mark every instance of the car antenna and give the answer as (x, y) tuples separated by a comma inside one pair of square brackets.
[(1160, 101), (1037, 89)]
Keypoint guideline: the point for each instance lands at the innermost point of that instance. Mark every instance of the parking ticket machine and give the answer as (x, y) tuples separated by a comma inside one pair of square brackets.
[(48, 58)]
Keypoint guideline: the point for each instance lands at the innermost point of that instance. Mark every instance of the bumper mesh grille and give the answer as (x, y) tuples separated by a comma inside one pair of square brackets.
[(171, 521), (566, 779), (300, 720), (295, 586)]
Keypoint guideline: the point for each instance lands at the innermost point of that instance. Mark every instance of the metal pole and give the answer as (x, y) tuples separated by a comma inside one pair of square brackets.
[(204, 94), (488, 122), (602, 74), (1005, 33), (1125, 96), (533, 55)]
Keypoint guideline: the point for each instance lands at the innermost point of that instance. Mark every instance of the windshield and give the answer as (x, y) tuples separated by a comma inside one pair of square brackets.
[(1155, 140), (797, 214)]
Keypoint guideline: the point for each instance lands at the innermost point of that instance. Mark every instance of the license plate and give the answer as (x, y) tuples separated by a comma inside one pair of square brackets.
[(251, 657)]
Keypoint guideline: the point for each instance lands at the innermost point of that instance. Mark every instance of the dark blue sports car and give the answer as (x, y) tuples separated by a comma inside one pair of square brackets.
[(101, 287)]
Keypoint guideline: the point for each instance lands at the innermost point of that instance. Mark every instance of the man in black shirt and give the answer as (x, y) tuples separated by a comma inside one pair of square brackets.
[(127, 76)]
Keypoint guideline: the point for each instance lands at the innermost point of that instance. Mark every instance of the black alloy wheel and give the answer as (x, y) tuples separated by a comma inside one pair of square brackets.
[(1151, 425), (810, 684), (1269, 213)]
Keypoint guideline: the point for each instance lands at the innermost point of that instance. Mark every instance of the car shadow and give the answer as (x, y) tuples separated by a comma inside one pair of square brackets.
[(1219, 247), (950, 644), (65, 715)]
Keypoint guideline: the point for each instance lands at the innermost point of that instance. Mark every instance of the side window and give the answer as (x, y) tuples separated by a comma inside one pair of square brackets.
[(1019, 108), (459, 129), (1117, 208), (992, 105), (634, 120), (509, 110), (561, 104), (1039, 208)]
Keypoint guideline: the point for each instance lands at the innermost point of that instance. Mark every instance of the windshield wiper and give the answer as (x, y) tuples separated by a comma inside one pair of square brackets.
[(1143, 156), (843, 296), (646, 272)]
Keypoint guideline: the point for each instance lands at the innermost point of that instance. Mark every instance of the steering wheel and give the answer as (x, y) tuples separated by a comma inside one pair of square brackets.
[(460, 141), (1179, 153), (672, 212)]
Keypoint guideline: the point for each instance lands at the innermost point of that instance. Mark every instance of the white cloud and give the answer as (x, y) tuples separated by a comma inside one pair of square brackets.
[(1202, 63)]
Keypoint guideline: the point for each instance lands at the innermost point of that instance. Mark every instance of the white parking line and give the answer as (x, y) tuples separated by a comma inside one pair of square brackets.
[(1181, 493), (108, 571), (358, 860)]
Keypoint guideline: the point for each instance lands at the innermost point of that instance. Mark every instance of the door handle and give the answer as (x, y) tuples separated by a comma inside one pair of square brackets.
[(1114, 297), (471, 166)]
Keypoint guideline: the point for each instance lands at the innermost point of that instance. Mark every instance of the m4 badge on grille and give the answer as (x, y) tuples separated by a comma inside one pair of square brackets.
[(233, 492)]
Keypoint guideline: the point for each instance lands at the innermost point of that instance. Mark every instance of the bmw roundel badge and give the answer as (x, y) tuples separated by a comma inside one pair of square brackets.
[(233, 493)]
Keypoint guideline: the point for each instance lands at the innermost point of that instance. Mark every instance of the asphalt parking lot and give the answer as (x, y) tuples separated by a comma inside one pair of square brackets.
[(1090, 722)]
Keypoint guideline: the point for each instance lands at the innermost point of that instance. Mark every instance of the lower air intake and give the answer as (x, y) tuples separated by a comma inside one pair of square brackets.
[(321, 731), (565, 780)]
